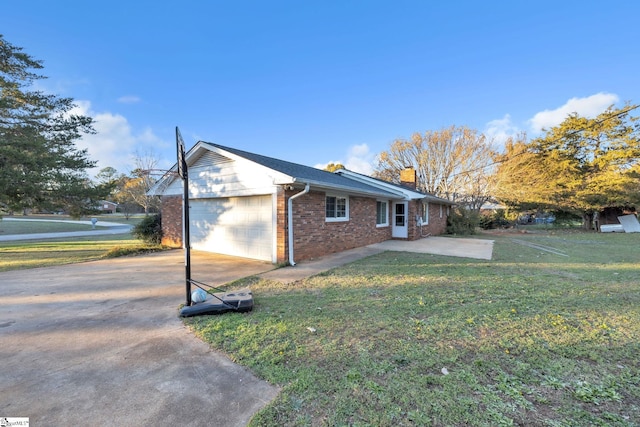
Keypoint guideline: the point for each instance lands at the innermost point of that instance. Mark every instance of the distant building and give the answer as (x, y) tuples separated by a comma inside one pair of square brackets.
[(105, 206)]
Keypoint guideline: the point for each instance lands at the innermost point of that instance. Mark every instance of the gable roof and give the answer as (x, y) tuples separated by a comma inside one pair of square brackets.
[(407, 192), (293, 173)]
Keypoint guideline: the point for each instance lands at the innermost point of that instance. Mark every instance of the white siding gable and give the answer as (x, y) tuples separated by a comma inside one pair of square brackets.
[(214, 175)]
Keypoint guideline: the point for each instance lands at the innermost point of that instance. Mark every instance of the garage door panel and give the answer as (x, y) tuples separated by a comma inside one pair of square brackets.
[(240, 226)]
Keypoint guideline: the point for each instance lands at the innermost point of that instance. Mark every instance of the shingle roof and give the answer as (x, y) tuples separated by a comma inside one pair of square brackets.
[(307, 174), (399, 187)]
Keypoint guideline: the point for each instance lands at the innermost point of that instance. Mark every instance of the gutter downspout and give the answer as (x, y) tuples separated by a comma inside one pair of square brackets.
[(290, 220)]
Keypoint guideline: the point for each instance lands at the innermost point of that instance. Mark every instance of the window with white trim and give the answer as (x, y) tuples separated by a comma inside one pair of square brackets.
[(382, 213), (336, 208), (425, 213)]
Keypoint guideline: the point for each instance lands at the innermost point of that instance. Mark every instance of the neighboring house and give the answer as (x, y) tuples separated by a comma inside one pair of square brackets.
[(106, 206), (253, 206)]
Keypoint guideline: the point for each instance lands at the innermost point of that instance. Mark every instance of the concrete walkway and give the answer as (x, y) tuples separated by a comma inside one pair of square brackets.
[(438, 245), (457, 247)]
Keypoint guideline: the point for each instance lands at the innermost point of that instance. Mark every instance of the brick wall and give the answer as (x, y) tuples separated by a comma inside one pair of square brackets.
[(282, 250), (315, 237), (172, 221), (437, 224), (413, 232)]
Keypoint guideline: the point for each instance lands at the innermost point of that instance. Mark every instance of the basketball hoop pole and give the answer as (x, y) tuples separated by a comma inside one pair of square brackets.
[(184, 174)]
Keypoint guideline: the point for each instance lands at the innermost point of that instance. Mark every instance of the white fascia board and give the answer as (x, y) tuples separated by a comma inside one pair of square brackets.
[(438, 200), (405, 193), (322, 186)]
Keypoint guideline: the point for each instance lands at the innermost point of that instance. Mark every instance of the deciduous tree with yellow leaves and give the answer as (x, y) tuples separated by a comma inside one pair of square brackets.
[(581, 166)]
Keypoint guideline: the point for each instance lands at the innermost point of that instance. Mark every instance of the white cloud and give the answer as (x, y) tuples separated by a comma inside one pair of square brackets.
[(324, 165), (148, 136), (359, 159), (500, 130), (114, 144), (129, 99), (589, 106)]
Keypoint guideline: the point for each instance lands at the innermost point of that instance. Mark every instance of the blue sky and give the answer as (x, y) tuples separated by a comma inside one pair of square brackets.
[(324, 81)]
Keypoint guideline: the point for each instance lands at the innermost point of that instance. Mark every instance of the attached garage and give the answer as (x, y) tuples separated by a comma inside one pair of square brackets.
[(238, 226)]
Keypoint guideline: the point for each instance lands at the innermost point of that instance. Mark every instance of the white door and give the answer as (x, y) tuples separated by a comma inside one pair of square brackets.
[(399, 228), (238, 226)]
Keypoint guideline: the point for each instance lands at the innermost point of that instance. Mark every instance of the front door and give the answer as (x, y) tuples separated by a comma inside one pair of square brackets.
[(400, 228)]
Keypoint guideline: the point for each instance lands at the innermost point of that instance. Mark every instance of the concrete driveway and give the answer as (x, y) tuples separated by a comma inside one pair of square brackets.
[(100, 343)]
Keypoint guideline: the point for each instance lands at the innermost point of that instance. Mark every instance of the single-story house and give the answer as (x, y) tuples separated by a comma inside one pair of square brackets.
[(253, 206), (106, 206)]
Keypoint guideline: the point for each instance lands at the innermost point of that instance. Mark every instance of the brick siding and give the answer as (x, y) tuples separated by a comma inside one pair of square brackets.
[(282, 251), (437, 224), (315, 237), (171, 209)]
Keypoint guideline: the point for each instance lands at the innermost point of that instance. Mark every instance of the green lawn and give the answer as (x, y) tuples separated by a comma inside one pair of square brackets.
[(29, 227), (54, 225), (31, 254), (545, 334), (15, 255)]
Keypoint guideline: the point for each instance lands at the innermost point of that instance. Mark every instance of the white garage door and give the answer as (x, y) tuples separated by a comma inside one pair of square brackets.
[(239, 226)]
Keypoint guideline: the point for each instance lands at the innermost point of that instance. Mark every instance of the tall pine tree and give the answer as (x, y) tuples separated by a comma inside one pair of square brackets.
[(40, 165)]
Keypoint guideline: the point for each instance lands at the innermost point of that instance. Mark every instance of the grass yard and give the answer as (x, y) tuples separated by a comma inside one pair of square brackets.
[(32, 254), (28, 227), (21, 254), (54, 224), (545, 334)]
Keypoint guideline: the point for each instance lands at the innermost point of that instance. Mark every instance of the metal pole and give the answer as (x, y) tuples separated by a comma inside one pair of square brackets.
[(187, 240), (184, 174)]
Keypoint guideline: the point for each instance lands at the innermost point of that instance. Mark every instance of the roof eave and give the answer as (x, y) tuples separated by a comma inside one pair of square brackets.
[(317, 185), (406, 192)]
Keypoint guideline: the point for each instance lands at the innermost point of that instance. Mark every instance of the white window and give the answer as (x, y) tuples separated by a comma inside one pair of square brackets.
[(440, 211), (336, 208), (382, 213), (425, 213)]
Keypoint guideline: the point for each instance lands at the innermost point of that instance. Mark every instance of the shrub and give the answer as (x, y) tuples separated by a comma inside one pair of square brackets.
[(119, 251), (462, 221), (494, 220), (149, 229), (567, 219)]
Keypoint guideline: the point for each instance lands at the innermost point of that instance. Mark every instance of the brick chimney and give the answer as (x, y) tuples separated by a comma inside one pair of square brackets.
[(408, 178)]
